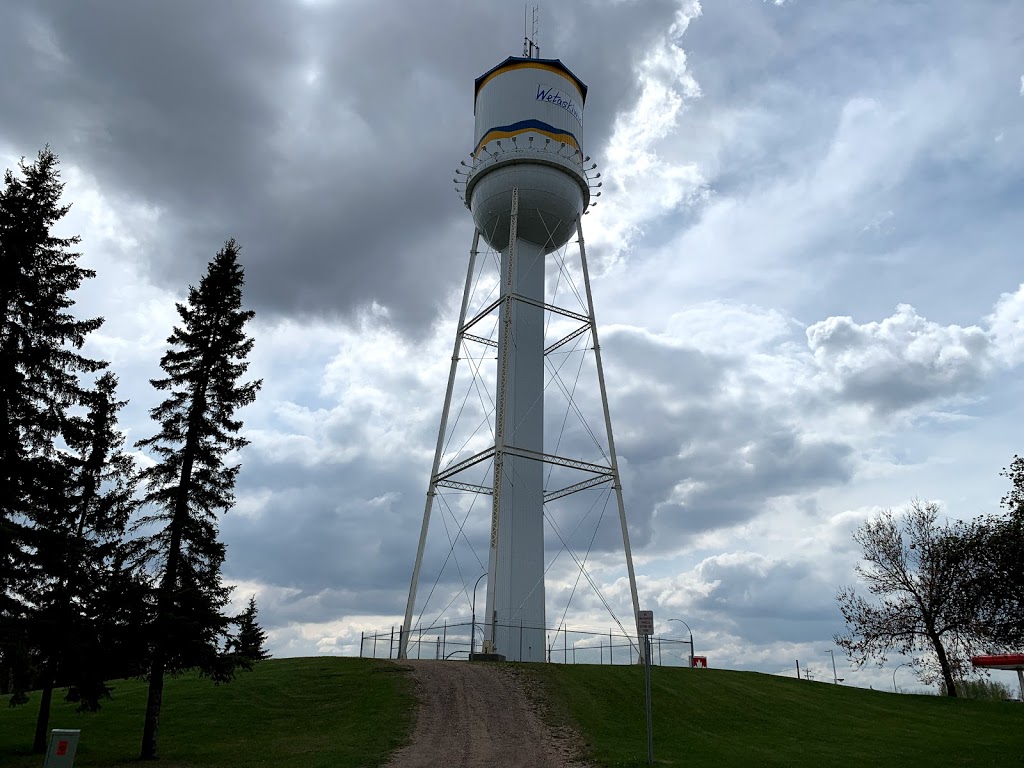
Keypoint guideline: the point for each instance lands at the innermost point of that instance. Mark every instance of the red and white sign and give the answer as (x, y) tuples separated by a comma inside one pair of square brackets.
[(61, 750), (700, 662)]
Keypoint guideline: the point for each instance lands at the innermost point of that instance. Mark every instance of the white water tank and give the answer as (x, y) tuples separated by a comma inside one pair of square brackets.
[(529, 127)]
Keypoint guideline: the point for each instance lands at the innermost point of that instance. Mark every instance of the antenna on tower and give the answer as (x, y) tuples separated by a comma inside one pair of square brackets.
[(531, 32)]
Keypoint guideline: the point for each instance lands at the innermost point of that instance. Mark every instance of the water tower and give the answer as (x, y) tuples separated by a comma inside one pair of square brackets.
[(528, 184)]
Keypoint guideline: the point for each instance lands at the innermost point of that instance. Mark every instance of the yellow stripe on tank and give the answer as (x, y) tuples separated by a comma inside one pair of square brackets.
[(553, 135), (523, 65)]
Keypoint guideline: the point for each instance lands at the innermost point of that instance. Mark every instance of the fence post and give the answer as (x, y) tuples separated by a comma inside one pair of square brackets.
[(601, 644), (565, 645), (444, 641), (375, 645), (611, 661), (391, 645), (520, 639), (419, 644), (362, 637)]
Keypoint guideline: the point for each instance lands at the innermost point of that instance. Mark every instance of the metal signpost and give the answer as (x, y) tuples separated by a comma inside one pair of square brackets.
[(645, 626)]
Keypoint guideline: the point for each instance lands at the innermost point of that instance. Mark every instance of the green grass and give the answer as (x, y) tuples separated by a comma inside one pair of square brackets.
[(330, 712), (722, 718), (311, 713)]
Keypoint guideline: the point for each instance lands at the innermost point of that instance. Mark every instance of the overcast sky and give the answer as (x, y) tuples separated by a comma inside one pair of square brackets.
[(806, 266)]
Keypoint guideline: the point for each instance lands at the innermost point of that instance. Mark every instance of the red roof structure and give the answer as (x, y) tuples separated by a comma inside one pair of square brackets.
[(1000, 661), (1014, 661)]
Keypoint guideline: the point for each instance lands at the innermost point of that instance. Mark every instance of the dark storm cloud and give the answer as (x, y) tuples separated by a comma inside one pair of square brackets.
[(279, 610), (737, 456), (695, 458), (343, 534), (323, 525), (322, 136), (763, 601)]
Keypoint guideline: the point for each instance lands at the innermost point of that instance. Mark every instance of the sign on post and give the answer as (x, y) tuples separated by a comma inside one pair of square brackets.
[(63, 744), (645, 626), (645, 622)]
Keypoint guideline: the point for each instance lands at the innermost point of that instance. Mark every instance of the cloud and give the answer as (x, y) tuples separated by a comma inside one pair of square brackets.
[(906, 360), (332, 174), (1006, 326), (752, 588), (900, 361), (707, 441), (729, 328), (665, 86)]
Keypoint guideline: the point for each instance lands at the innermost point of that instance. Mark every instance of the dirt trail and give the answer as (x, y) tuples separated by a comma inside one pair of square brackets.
[(479, 715)]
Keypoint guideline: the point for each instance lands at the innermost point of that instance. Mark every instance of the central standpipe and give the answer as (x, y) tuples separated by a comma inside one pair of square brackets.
[(515, 593)]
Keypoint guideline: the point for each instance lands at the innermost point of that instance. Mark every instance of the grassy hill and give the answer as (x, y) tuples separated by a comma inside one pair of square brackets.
[(320, 712), (327, 711), (720, 718)]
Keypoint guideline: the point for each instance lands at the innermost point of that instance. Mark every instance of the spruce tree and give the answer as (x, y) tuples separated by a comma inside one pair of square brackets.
[(191, 480), (248, 643), (40, 360), (80, 535)]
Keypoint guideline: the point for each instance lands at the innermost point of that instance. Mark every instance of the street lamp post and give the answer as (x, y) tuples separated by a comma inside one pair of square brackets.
[(835, 675), (904, 664), (472, 631), (691, 638)]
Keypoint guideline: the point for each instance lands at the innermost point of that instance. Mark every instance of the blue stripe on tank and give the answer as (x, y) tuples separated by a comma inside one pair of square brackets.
[(527, 126)]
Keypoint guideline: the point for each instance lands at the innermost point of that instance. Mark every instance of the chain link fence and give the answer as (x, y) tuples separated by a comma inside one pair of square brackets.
[(563, 645)]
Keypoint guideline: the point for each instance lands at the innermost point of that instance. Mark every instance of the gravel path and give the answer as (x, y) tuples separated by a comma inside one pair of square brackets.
[(478, 714)]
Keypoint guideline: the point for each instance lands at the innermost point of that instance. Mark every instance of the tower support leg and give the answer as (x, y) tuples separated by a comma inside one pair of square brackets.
[(442, 429), (611, 439)]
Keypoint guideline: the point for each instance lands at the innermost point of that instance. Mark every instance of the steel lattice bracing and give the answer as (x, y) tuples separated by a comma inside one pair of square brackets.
[(515, 461)]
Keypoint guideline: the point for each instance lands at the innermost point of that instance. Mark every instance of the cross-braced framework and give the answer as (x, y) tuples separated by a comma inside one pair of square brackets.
[(476, 455)]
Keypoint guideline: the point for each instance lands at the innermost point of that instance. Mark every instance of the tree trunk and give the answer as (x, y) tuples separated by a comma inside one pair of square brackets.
[(43, 719), (166, 600), (947, 674), (153, 702), (155, 698)]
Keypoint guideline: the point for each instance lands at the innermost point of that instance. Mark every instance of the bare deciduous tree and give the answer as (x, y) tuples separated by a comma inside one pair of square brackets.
[(913, 568)]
